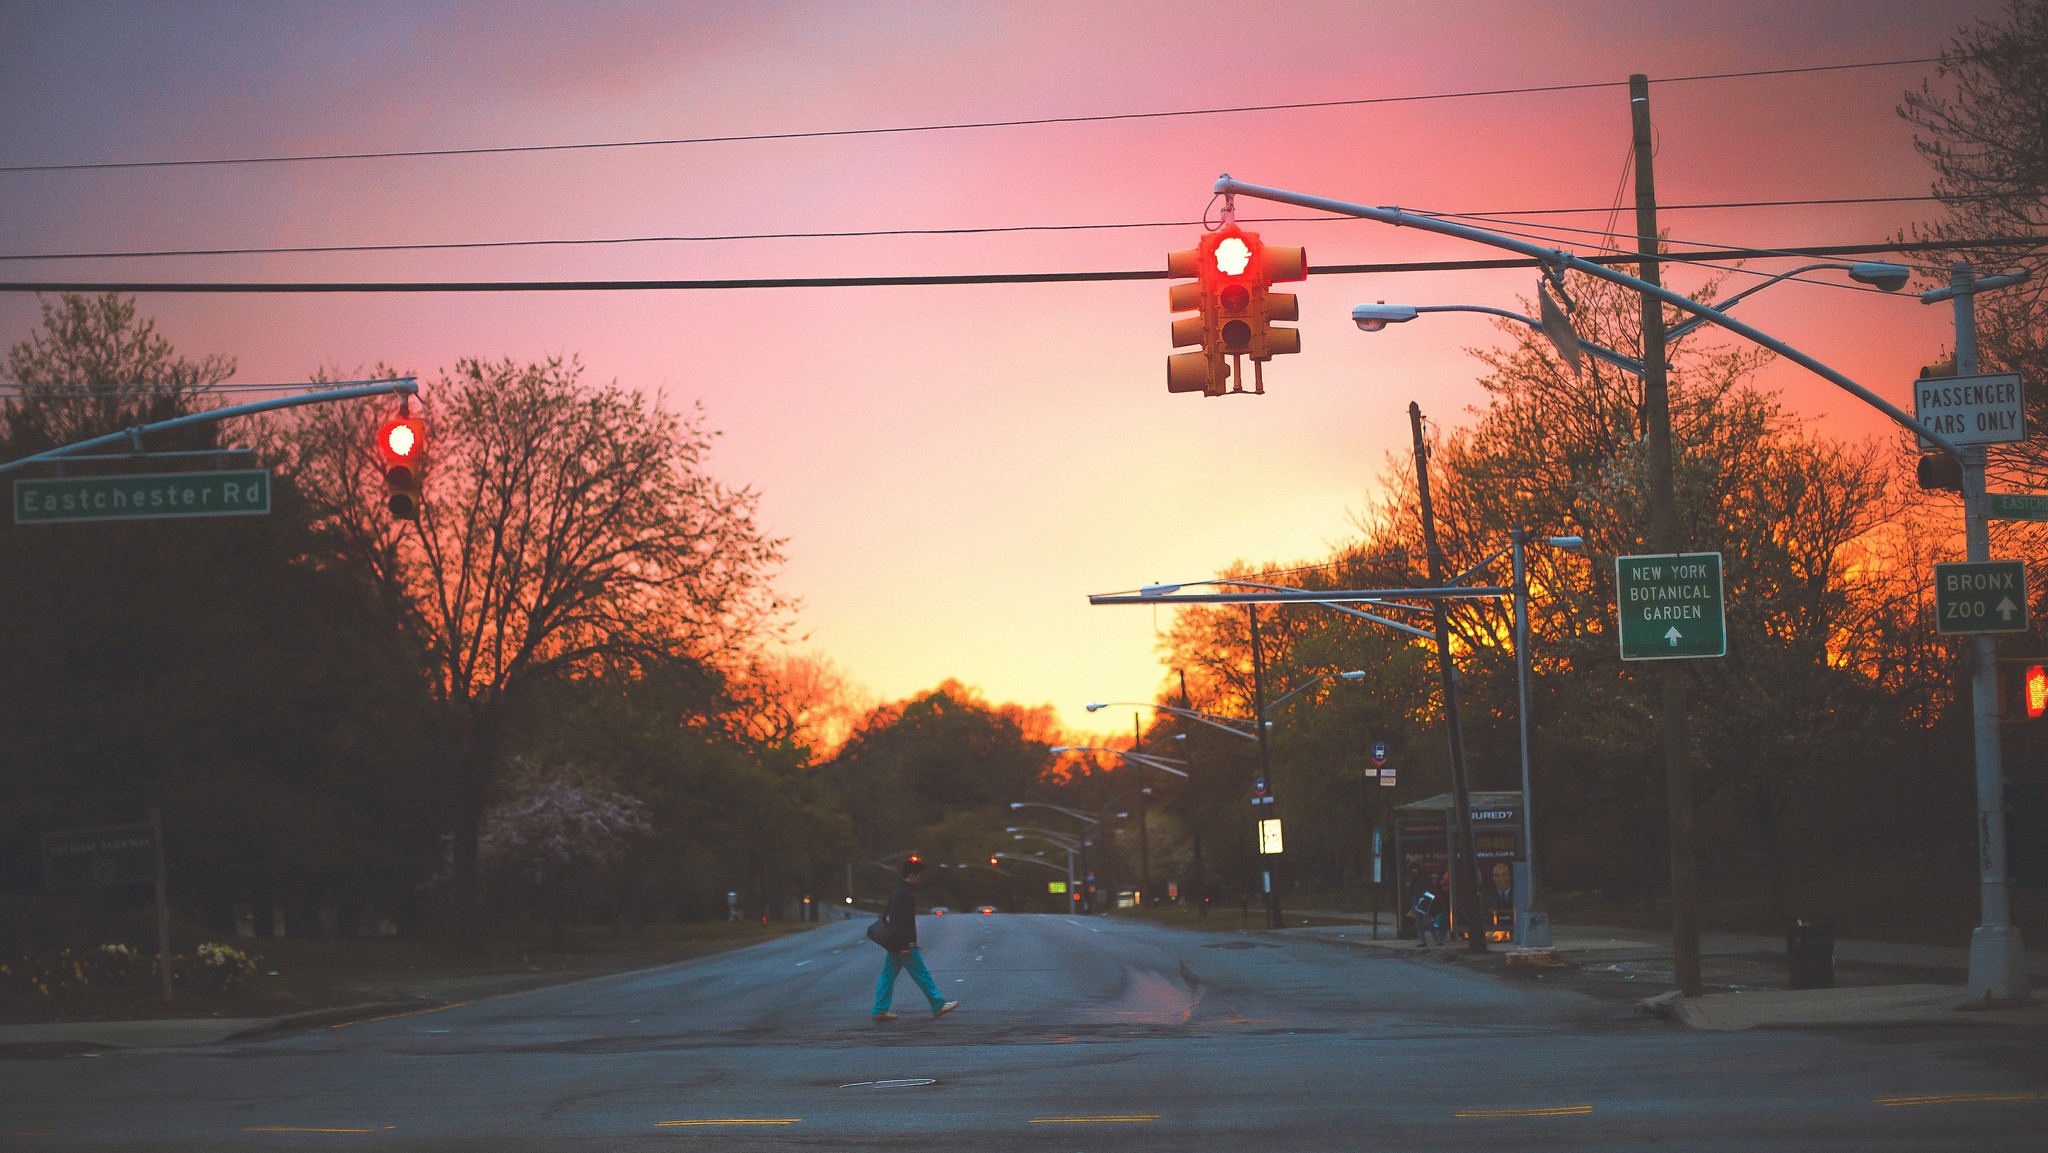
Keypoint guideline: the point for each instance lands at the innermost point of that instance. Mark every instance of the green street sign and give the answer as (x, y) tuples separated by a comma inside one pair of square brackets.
[(1670, 606), (1987, 596), (142, 496), (2018, 505)]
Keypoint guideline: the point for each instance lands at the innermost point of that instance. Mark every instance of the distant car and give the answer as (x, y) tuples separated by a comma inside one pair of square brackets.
[(985, 910), (939, 910)]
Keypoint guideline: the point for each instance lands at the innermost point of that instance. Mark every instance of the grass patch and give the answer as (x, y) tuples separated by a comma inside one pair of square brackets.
[(298, 974)]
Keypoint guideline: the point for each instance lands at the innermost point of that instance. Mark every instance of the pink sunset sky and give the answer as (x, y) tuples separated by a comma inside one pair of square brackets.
[(954, 468)]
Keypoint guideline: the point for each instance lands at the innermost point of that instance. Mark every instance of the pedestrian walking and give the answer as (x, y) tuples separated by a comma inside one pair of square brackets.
[(901, 918)]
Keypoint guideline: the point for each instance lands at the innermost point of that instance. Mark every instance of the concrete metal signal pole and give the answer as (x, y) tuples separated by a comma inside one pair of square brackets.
[(1998, 957)]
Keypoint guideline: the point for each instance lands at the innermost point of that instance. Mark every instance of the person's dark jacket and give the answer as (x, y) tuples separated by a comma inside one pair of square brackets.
[(902, 917)]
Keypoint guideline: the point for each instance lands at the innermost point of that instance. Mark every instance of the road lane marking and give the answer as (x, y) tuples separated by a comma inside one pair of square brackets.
[(308, 1129), (1956, 1098), (801, 964), (1115, 1119), (1548, 1111), (731, 1121), (896, 1083)]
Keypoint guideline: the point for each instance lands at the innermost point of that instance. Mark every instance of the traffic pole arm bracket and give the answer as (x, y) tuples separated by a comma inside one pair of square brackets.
[(133, 435), (1553, 256)]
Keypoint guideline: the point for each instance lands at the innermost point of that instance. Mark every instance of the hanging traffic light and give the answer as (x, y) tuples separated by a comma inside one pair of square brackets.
[(1206, 371), (1277, 263), (403, 442), (1233, 273)]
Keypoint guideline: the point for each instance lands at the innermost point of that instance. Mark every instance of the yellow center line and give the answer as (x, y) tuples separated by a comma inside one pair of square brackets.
[(732, 1121), (1953, 1098), (1551, 1111), (407, 1013), (1116, 1119), (308, 1129)]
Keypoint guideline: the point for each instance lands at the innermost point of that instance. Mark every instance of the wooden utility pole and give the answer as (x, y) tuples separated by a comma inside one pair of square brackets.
[(1461, 854), (1685, 929)]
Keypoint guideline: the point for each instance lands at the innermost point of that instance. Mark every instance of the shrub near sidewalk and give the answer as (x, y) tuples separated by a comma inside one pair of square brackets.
[(116, 974), (276, 976)]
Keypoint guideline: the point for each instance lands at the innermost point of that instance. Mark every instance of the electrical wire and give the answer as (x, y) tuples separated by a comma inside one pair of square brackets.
[(586, 146), (445, 246), (462, 286)]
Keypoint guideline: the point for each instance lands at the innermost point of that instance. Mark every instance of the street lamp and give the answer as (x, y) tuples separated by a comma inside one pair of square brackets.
[(1878, 274)]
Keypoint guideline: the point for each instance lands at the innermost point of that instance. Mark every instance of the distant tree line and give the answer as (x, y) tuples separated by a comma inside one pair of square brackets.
[(546, 698)]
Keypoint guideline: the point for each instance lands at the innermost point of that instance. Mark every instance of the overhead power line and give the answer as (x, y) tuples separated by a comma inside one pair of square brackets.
[(820, 134), (468, 245), (465, 286)]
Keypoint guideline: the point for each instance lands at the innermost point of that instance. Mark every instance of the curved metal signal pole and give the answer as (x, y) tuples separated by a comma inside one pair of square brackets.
[(406, 386)]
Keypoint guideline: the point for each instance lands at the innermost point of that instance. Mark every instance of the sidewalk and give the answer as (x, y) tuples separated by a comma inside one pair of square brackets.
[(1878, 983)]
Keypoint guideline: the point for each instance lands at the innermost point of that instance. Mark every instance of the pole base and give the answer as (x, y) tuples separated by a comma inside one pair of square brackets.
[(1532, 928), (1998, 966)]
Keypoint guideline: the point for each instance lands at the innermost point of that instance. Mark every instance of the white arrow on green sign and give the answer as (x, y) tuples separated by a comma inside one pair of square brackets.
[(1670, 606), (2018, 505), (142, 496), (1988, 596)]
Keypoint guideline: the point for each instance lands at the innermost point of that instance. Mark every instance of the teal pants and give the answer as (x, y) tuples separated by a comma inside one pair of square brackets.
[(885, 988)]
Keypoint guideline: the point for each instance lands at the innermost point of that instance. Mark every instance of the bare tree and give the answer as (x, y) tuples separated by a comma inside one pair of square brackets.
[(567, 530)]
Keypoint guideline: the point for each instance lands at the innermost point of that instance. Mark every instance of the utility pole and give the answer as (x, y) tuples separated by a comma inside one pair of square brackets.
[(1144, 846), (1685, 928), (1272, 883), (1201, 891), (1998, 957), (1463, 856)]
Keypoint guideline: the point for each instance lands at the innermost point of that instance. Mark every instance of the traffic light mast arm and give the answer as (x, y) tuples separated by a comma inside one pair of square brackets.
[(406, 387), (1552, 257)]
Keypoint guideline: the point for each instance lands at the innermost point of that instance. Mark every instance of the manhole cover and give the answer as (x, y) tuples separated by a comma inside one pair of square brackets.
[(898, 1083)]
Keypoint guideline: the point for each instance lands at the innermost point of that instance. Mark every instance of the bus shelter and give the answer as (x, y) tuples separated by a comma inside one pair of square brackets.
[(1422, 842)]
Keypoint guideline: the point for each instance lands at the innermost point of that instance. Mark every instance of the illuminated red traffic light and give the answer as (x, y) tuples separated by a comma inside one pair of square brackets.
[(2034, 688), (403, 442)]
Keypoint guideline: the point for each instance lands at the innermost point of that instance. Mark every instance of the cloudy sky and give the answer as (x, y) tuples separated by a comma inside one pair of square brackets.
[(955, 468)]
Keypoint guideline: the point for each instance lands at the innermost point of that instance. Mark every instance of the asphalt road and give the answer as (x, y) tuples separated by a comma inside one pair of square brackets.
[(1073, 1034)]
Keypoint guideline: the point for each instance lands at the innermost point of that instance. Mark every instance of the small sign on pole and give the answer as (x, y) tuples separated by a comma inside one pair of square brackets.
[(1981, 597), (1379, 753), (142, 496), (1670, 606), (1971, 409), (2018, 505), (1269, 836)]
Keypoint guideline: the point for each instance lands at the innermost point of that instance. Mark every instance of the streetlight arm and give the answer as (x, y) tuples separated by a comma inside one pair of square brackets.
[(1622, 361), (1056, 808), (1552, 257), (1204, 718), (1308, 684), (1163, 764)]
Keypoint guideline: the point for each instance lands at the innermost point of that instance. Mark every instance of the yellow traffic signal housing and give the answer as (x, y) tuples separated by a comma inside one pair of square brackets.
[(403, 442), (1278, 264), (1234, 305), (1205, 371)]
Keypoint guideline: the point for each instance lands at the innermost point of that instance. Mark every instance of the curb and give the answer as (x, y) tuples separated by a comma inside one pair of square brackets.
[(314, 1018)]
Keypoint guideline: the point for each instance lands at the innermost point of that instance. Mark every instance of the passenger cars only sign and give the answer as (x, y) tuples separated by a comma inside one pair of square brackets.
[(1971, 409)]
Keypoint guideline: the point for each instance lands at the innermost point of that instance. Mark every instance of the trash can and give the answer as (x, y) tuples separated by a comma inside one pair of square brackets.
[(1810, 955)]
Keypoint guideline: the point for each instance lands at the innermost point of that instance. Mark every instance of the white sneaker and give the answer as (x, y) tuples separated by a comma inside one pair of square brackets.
[(945, 1008)]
